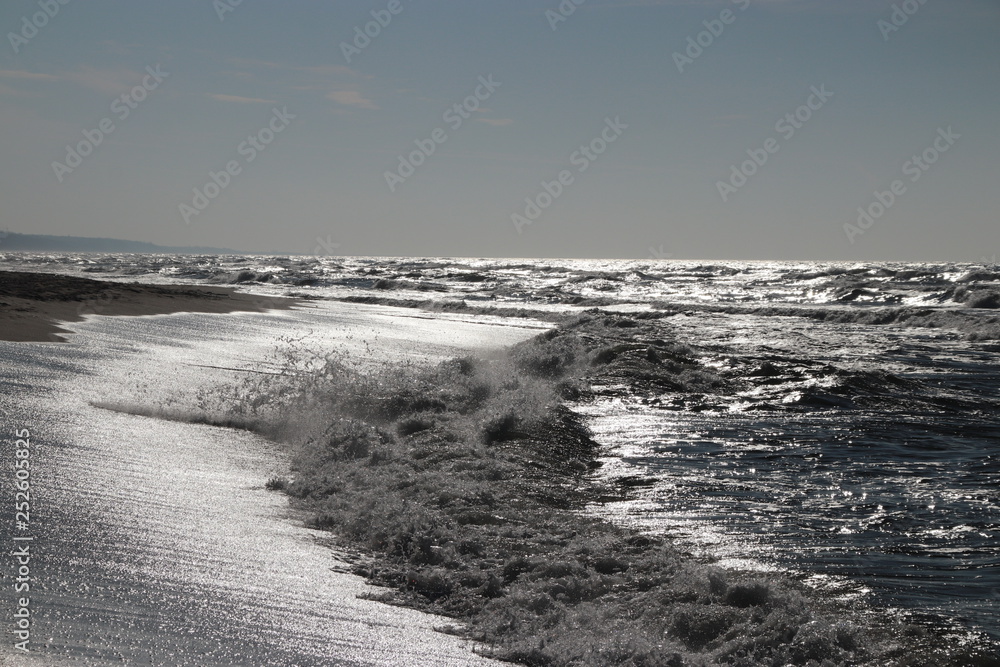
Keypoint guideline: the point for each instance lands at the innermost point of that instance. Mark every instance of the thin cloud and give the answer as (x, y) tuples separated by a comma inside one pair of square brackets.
[(119, 49), (351, 98), (21, 74), (240, 100), (7, 91), (332, 70), (318, 79), (496, 122), (789, 5), (111, 81), (321, 70)]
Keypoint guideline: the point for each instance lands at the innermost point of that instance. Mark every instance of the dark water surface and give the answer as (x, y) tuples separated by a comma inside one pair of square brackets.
[(876, 478)]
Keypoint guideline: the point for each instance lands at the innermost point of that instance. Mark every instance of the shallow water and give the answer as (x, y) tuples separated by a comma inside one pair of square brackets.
[(885, 493), (155, 541)]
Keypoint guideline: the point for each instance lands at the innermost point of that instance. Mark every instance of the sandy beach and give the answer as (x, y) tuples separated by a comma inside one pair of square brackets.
[(158, 541), (32, 305)]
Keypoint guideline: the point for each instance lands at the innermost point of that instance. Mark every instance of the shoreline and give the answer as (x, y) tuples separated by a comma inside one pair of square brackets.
[(459, 490), (168, 523), (33, 306)]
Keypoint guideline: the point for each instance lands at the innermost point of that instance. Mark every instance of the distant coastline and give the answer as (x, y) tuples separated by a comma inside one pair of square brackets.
[(14, 242)]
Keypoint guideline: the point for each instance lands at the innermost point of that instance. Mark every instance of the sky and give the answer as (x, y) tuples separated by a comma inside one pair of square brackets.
[(728, 129)]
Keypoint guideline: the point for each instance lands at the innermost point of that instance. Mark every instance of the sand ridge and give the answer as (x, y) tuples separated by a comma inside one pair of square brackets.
[(32, 305)]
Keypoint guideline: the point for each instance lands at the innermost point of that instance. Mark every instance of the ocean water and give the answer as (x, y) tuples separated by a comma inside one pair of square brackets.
[(855, 446)]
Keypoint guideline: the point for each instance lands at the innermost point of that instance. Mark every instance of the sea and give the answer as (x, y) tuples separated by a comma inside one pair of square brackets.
[(856, 448)]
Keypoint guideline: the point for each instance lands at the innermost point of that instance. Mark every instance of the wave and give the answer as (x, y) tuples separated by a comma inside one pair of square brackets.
[(564, 281), (460, 487), (975, 321)]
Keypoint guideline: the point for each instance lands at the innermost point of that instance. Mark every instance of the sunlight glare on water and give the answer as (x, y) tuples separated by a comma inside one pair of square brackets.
[(157, 541)]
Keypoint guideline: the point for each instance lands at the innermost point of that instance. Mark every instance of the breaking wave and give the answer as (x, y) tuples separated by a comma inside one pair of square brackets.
[(460, 487)]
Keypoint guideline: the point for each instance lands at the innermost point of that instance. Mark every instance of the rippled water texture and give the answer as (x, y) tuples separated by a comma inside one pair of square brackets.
[(870, 486)]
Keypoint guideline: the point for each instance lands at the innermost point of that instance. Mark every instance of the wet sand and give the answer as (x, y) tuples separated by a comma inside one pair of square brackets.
[(33, 304)]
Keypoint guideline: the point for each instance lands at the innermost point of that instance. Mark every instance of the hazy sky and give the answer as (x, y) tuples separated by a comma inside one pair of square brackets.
[(636, 127)]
